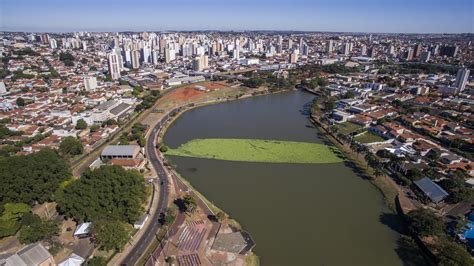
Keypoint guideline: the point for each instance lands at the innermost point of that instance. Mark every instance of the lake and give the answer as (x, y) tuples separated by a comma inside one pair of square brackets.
[(298, 214)]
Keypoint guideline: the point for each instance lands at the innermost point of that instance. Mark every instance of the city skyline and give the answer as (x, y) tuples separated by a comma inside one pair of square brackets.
[(402, 16)]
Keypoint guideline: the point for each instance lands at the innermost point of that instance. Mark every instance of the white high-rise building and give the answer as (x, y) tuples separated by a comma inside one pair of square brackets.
[(3, 89), (114, 65), (294, 57), (90, 83), (200, 63), (84, 45), (154, 56), (170, 55), (363, 50), (330, 47), (347, 48), (461, 79), (135, 59), (236, 53), (53, 44), (146, 54), (128, 57)]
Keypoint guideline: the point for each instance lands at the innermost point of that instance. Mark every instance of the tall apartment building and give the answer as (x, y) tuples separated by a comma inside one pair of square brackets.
[(114, 65)]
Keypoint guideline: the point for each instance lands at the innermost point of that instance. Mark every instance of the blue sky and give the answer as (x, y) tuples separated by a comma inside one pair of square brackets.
[(411, 16)]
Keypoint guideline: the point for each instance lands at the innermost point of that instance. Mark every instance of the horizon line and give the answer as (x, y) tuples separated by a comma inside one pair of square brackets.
[(235, 30)]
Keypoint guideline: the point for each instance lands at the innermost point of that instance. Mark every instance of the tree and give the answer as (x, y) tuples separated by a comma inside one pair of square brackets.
[(111, 235), (349, 95), (11, 217), (163, 148), (94, 128), (35, 229), (453, 254), (20, 102), (424, 223), (71, 146), (32, 178), (189, 203), (96, 261), (329, 105), (106, 193), (81, 124)]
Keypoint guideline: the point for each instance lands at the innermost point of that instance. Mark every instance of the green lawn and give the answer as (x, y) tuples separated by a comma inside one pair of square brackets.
[(254, 150), (368, 137), (347, 127)]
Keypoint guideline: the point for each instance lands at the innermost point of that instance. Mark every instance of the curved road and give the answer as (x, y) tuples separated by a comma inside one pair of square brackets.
[(144, 242)]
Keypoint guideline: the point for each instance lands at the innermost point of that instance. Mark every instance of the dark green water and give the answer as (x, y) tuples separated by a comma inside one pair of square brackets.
[(310, 214)]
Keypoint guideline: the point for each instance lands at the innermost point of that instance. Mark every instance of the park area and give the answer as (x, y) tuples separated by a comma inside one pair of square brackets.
[(255, 150)]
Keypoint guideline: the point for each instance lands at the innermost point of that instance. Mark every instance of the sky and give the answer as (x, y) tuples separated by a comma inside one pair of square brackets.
[(391, 16)]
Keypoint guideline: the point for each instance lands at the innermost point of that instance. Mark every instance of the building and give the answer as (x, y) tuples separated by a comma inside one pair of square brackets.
[(3, 89), (83, 230), (449, 51), (90, 83), (31, 255), (346, 49), (72, 260), (330, 46), (294, 57), (114, 65), (135, 59), (200, 63), (461, 79), (170, 55), (425, 56), (120, 152), (409, 54), (417, 51), (431, 190)]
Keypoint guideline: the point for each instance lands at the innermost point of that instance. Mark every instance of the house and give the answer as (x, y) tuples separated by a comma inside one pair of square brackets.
[(340, 116), (449, 158), (431, 190), (83, 230), (32, 255), (380, 131), (362, 120)]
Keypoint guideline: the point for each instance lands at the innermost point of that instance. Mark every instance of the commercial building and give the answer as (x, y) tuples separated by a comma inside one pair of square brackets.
[(120, 152)]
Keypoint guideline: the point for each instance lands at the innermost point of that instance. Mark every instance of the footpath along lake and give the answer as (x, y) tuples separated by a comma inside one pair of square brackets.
[(298, 214)]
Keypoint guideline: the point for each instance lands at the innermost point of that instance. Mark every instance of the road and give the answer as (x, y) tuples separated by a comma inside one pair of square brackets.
[(164, 180), (142, 244)]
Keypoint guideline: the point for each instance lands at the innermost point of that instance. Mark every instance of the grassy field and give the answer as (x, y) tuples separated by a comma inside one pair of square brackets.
[(347, 127), (254, 150), (368, 137)]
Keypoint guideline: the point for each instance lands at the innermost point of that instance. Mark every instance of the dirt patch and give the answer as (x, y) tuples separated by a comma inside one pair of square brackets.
[(184, 94)]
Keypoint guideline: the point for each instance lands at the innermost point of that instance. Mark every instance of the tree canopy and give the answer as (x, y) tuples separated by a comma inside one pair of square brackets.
[(71, 146), (424, 223), (81, 124), (35, 229), (453, 254), (109, 192), (31, 178), (111, 235)]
